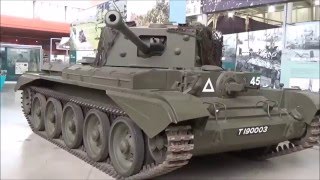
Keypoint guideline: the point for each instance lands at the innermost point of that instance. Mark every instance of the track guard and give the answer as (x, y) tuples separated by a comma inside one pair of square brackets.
[(304, 102), (153, 112), (24, 80)]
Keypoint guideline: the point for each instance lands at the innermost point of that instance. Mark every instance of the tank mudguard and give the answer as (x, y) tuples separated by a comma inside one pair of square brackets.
[(24, 80), (154, 111), (305, 102)]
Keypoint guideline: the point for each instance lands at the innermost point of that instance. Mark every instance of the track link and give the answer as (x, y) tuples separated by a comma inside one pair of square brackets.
[(179, 140)]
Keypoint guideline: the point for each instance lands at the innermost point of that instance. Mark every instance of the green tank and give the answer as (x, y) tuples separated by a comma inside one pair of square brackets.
[(156, 96)]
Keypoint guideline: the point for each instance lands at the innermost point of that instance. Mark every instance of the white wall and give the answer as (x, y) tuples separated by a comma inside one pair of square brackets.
[(59, 11), (17, 8)]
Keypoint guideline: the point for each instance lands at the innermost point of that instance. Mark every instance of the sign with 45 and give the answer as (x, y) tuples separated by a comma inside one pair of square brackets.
[(255, 81)]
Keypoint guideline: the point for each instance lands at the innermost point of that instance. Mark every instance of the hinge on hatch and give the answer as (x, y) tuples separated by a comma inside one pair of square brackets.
[(214, 109), (268, 106)]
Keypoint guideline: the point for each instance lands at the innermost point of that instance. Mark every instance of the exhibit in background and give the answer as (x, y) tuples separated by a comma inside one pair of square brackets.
[(260, 51), (302, 42), (210, 6), (193, 7), (86, 29), (301, 57), (17, 59), (156, 11), (229, 52)]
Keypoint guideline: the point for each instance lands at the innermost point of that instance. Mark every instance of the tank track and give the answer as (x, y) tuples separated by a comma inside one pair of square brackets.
[(311, 139), (180, 140)]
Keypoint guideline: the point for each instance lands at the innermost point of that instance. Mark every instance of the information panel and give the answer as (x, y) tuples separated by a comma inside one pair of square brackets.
[(260, 51), (301, 57)]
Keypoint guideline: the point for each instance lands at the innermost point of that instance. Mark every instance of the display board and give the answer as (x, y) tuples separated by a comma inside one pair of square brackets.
[(211, 6), (301, 57), (21, 67), (18, 60), (193, 7), (229, 52), (296, 65), (85, 30), (146, 12), (260, 51)]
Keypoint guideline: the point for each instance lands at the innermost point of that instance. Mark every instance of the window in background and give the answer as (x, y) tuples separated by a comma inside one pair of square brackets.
[(303, 11)]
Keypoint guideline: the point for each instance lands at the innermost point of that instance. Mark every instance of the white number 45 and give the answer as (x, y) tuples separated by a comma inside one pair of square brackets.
[(255, 81)]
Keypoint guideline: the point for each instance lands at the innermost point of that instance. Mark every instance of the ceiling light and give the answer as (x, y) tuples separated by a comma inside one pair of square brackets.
[(230, 14), (271, 9), (317, 2)]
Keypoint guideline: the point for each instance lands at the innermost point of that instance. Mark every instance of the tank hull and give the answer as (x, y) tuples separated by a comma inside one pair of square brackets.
[(227, 135), (212, 134), (241, 123)]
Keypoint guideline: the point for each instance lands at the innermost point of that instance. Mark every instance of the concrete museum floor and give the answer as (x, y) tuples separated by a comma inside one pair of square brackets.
[(25, 155)]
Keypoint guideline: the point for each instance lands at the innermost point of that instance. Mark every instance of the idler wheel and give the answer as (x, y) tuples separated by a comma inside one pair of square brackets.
[(157, 147), (311, 135), (53, 113), (72, 125), (126, 146), (95, 135), (26, 100), (37, 112)]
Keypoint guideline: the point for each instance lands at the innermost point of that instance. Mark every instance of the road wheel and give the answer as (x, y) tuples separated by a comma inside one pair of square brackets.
[(53, 113), (72, 125), (126, 146), (37, 112), (95, 135)]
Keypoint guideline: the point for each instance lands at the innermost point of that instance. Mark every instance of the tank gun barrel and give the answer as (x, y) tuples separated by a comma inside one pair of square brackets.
[(114, 20)]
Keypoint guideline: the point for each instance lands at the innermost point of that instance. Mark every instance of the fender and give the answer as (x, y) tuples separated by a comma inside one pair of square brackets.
[(24, 80), (154, 111), (306, 103)]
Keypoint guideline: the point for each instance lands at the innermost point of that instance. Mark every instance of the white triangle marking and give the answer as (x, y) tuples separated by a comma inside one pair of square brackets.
[(208, 83)]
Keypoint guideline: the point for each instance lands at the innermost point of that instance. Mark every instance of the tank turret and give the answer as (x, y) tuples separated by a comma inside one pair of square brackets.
[(113, 19)]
